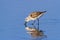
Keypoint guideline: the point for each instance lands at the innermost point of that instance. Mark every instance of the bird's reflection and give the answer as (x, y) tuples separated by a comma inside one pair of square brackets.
[(35, 33)]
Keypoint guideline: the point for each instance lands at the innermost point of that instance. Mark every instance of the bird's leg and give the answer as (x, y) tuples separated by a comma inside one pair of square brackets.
[(33, 24), (38, 24)]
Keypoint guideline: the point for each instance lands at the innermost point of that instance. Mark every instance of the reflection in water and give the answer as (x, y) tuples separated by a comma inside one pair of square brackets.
[(35, 33)]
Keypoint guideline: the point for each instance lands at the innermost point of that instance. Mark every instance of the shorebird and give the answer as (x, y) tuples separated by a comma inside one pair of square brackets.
[(34, 32), (33, 16)]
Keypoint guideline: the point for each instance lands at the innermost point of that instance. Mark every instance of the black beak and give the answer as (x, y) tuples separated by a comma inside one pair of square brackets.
[(43, 11)]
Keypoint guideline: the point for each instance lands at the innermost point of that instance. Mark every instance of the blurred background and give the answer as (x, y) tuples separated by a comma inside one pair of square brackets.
[(14, 12)]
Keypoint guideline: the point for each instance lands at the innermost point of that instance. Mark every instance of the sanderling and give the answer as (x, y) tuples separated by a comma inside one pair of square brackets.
[(34, 16)]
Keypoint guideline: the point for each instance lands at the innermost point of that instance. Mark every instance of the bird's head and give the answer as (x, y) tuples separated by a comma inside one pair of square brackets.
[(27, 19)]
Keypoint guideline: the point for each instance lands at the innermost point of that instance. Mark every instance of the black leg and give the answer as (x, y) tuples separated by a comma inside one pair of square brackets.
[(33, 24), (38, 24)]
